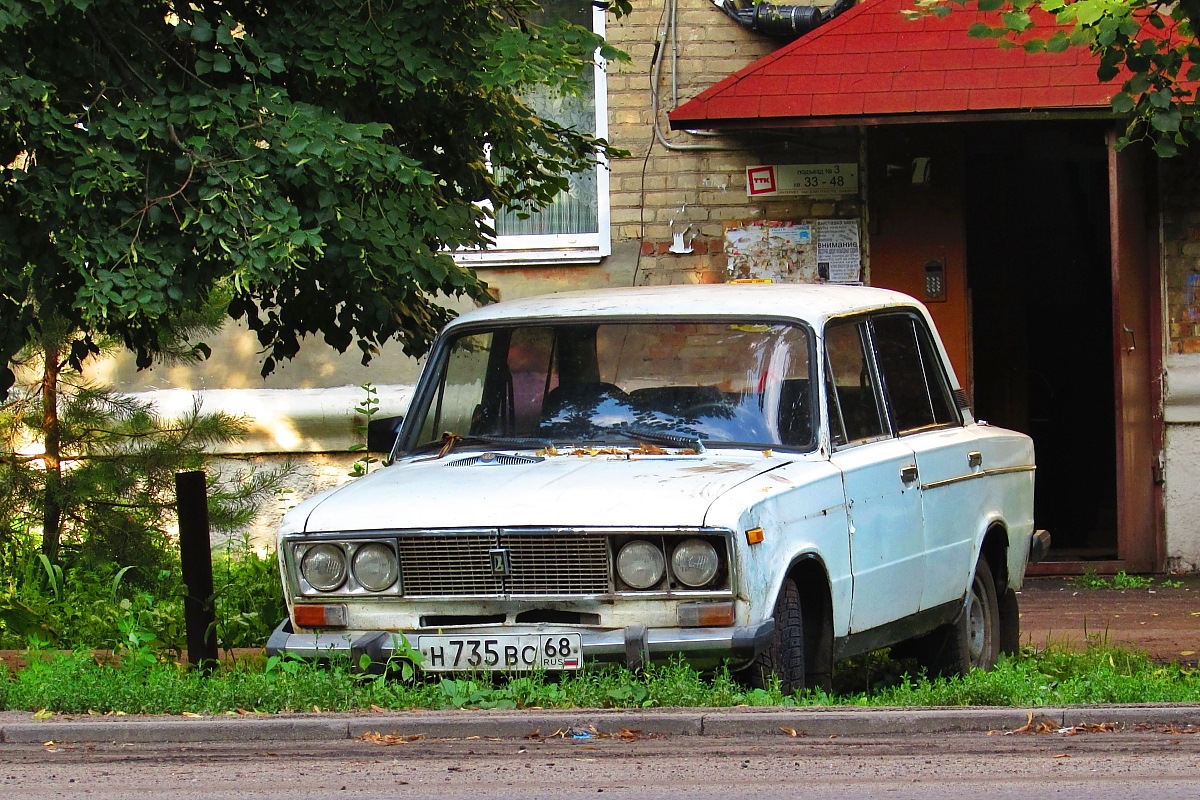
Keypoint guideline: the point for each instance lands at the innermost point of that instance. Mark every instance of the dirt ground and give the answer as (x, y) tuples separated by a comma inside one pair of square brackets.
[(1160, 620)]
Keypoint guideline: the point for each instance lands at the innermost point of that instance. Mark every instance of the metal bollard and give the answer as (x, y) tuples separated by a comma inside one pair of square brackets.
[(195, 556)]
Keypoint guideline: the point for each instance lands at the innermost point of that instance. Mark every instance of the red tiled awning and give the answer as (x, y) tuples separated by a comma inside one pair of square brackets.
[(873, 62)]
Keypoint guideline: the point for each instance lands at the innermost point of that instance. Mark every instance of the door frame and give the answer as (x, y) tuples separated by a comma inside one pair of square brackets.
[(1137, 357)]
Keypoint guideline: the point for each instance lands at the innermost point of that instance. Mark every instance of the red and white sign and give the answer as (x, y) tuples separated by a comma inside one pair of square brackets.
[(760, 180), (827, 181)]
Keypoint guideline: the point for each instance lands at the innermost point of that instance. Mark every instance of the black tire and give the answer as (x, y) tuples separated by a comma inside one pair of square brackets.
[(784, 656), (1010, 623), (972, 641)]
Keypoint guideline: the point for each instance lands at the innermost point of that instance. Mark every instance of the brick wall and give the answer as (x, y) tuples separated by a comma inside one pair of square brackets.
[(694, 185)]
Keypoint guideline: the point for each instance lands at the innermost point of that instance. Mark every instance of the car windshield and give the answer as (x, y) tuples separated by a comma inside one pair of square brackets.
[(671, 382)]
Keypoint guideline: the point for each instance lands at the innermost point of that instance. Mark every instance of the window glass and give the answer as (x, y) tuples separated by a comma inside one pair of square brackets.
[(613, 382), (574, 227), (916, 387), (854, 408), (460, 391)]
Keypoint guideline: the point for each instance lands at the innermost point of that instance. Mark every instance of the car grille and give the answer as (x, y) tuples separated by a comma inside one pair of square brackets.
[(461, 565)]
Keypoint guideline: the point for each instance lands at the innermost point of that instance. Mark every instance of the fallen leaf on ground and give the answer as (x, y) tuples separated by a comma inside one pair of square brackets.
[(1041, 724), (1036, 724), (388, 738)]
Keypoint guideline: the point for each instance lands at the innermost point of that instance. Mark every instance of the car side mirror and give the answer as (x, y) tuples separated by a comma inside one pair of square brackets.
[(382, 433)]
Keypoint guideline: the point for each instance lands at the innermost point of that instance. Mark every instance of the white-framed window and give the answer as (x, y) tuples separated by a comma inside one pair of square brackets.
[(575, 227)]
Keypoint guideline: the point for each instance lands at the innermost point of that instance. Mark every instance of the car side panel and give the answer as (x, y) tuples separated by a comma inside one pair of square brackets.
[(953, 499), (801, 510), (887, 539), (972, 478)]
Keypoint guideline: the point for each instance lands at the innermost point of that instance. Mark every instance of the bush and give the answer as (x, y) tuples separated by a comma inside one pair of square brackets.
[(106, 606)]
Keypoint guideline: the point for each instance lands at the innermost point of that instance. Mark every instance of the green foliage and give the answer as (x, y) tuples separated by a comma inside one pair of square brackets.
[(143, 684), (112, 480), (101, 606), (1122, 580), (363, 413), (1150, 46), (316, 162), (248, 595)]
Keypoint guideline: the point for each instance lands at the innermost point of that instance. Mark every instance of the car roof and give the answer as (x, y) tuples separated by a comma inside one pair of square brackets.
[(811, 303)]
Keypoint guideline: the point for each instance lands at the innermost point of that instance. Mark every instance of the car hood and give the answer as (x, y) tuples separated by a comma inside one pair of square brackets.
[(602, 488)]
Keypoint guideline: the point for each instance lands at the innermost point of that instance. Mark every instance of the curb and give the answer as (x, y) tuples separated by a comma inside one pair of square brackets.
[(18, 729)]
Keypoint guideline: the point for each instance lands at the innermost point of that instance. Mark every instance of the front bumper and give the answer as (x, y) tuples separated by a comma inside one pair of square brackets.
[(634, 646)]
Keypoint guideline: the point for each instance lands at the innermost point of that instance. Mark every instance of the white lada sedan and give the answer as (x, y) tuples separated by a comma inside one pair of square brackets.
[(771, 477)]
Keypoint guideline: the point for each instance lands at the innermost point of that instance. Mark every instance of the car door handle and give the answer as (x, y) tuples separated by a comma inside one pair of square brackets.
[(909, 474), (974, 458)]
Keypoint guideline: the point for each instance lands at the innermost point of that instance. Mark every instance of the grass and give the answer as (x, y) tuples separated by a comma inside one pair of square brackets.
[(1121, 580), (142, 684)]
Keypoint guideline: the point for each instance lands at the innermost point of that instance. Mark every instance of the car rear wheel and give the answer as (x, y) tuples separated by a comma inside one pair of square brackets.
[(784, 656), (972, 640)]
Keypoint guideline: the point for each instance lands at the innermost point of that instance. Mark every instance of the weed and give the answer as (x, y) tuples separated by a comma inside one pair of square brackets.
[(1125, 581), (364, 411), (1090, 580), (1171, 584), (1122, 580)]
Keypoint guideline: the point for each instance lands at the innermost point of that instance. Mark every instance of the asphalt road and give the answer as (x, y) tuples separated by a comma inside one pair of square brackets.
[(1139, 762)]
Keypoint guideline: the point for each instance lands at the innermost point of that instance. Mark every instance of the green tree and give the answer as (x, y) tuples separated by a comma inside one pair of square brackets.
[(1150, 45), (318, 160), (94, 469)]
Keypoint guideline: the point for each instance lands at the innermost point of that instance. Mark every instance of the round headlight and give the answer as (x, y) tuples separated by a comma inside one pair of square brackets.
[(640, 564), (324, 567), (695, 563), (375, 567)]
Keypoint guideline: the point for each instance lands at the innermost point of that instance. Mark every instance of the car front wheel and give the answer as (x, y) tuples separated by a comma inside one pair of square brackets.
[(784, 656)]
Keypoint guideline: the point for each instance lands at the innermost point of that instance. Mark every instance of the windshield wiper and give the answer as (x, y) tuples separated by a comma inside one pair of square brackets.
[(654, 436), (451, 440)]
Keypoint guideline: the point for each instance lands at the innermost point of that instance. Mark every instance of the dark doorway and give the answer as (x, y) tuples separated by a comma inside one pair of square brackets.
[(1041, 297)]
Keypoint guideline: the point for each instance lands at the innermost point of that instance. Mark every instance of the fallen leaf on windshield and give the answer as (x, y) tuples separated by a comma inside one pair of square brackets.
[(649, 450)]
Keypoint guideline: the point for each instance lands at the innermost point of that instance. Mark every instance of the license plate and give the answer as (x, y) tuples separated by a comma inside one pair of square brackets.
[(500, 652)]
